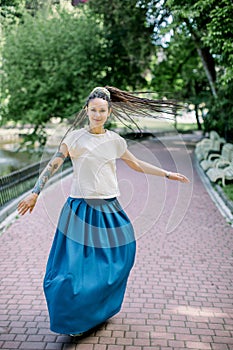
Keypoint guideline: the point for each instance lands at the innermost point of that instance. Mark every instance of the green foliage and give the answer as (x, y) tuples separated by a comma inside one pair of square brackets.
[(220, 115), (179, 71), (198, 28), (62, 55), (11, 11), (180, 74), (183, 48), (59, 59), (219, 38), (128, 41), (228, 190)]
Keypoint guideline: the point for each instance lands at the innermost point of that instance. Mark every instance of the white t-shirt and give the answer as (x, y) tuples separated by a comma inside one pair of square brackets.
[(94, 163)]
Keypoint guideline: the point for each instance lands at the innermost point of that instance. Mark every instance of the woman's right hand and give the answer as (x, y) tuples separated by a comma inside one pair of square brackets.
[(28, 203)]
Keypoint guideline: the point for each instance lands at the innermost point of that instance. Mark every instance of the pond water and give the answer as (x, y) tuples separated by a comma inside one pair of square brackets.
[(11, 160)]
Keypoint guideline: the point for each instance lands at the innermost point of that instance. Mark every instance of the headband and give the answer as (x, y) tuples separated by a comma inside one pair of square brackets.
[(103, 90)]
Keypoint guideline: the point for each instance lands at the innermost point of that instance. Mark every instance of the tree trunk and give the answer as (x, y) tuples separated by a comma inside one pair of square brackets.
[(206, 58), (210, 77), (174, 110), (197, 118)]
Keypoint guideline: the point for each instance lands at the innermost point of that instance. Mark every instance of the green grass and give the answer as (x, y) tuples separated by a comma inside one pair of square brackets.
[(228, 190), (185, 127), (153, 125)]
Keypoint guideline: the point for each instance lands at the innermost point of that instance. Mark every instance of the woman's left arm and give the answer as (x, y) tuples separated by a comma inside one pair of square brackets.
[(147, 168)]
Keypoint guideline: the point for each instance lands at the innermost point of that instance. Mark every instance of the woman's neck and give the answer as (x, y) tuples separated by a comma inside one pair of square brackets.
[(96, 130)]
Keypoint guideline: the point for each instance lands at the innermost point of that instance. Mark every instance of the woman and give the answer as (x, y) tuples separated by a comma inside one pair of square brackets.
[(94, 246)]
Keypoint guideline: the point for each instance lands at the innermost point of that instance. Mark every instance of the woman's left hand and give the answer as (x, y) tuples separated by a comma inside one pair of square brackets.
[(27, 204), (178, 177)]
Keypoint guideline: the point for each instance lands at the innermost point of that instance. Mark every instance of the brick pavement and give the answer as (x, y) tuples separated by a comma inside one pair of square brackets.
[(179, 294)]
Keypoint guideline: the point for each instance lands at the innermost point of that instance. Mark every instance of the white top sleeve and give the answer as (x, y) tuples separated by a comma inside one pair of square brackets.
[(69, 139), (122, 146)]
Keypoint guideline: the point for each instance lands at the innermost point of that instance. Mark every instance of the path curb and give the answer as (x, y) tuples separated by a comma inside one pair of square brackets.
[(217, 195), (226, 200)]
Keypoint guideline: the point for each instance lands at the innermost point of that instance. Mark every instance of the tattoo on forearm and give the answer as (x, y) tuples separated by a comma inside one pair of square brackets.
[(50, 169), (59, 155)]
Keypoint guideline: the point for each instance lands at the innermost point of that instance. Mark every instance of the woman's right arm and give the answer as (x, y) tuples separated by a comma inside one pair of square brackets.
[(55, 163)]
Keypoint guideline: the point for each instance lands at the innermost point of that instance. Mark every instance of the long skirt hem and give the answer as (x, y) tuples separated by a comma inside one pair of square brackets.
[(89, 263), (68, 331)]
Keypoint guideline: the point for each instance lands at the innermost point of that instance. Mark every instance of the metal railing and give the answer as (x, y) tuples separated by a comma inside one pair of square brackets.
[(20, 181)]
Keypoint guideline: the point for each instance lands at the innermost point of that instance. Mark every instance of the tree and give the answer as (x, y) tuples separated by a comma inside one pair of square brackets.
[(219, 39), (128, 41), (219, 34), (50, 64), (185, 16), (208, 23), (179, 73)]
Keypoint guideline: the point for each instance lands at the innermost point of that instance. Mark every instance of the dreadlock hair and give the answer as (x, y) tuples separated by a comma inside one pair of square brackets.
[(128, 105)]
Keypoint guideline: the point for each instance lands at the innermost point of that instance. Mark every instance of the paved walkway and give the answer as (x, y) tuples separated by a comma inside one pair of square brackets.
[(180, 292)]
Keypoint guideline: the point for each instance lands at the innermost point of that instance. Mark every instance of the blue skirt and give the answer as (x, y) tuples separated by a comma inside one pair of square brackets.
[(89, 263)]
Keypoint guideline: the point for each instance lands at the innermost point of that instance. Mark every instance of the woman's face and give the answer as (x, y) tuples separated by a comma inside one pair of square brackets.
[(98, 112)]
